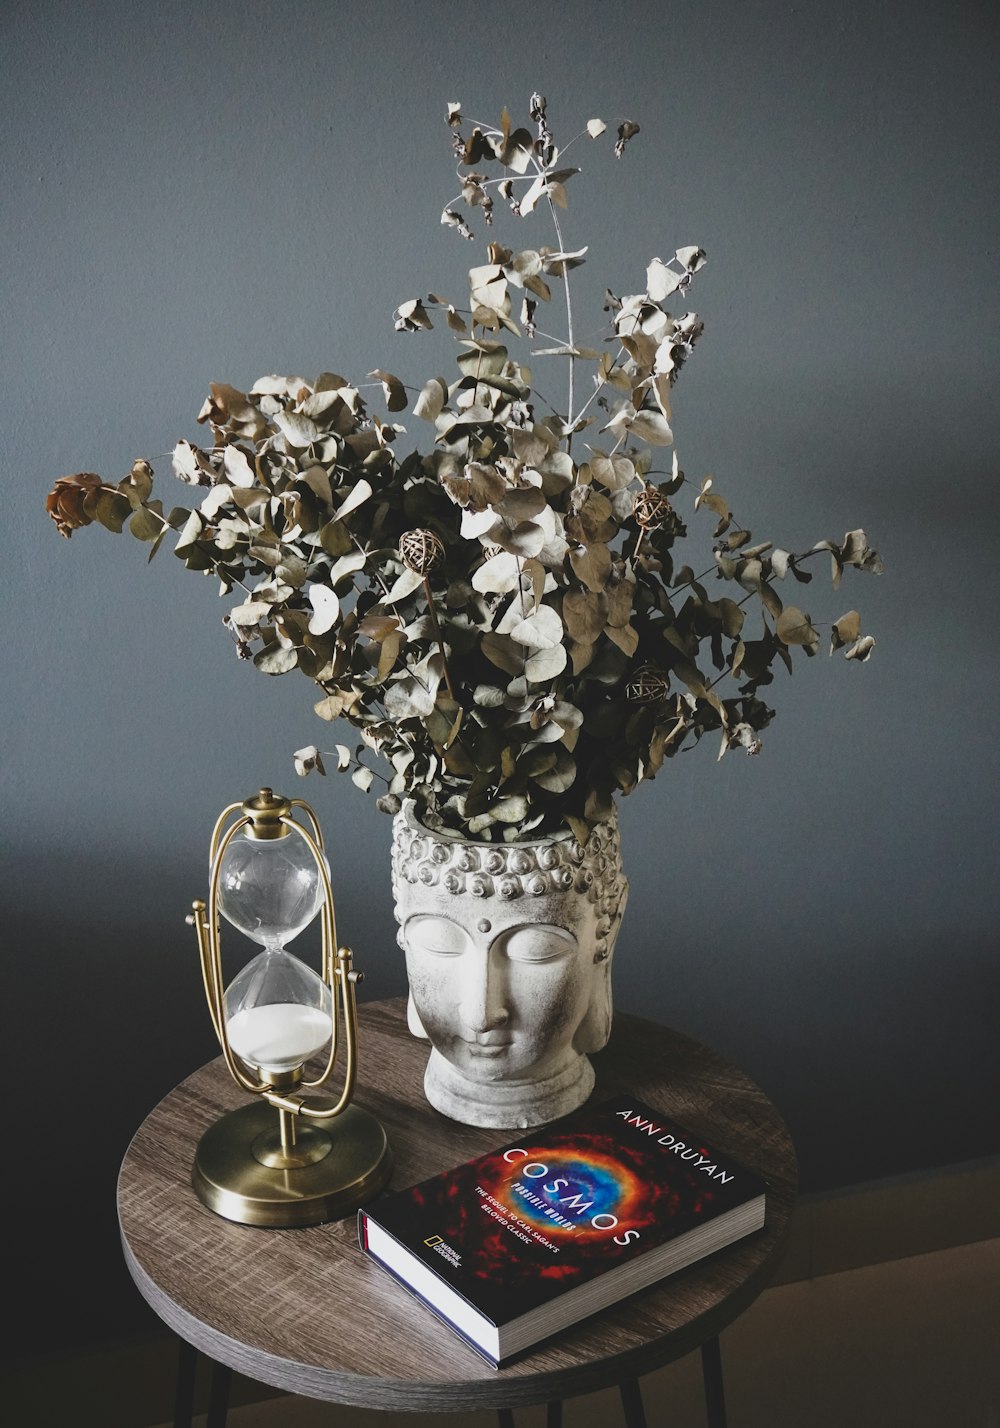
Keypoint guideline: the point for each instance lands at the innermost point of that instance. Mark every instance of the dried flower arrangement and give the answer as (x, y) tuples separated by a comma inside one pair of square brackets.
[(511, 624)]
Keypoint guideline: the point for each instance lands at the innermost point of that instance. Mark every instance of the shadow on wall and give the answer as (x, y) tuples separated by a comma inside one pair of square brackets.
[(111, 1016)]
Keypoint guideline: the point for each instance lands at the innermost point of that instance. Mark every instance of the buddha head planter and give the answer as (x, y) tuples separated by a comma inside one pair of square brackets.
[(508, 957)]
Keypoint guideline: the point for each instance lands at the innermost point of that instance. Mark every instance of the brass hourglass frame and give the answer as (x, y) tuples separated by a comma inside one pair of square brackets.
[(246, 1168)]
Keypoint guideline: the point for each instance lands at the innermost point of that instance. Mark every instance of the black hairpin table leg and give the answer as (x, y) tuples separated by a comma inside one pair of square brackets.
[(187, 1360), (505, 1418), (635, 1414), (218, 1396), (715, 1398), (553, 1414)]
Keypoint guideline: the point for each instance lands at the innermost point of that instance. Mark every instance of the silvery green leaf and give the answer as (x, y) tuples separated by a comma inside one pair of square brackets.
[(595, 127), (362, 778), (560, 777)]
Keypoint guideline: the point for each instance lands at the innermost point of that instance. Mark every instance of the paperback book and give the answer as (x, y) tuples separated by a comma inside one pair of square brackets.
[(520, 1244)]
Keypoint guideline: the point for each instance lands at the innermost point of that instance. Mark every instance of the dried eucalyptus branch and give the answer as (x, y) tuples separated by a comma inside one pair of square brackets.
[(565, 649)]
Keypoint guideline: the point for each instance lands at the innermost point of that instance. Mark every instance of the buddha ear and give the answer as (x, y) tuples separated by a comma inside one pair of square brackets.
[(413, 1022), (595, 1029)]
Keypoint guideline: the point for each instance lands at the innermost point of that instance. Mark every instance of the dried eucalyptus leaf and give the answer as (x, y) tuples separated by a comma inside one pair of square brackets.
[(405, 585), (275, 659), (236, 465), (308, 760), (362, 778), (503, 652), (393, 389), (545, 664), (795, 628), (596, 127), (147, 522), (361, 493), (661, 281), (651, 427), (111, 509), (591, 565), (861, 649), (845, 630), (326, 609), (298, 430), (431, 399), (540, 631), (251, 612)]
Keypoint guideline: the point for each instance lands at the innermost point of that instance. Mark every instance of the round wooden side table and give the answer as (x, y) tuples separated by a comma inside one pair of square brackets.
[(306, 1311)]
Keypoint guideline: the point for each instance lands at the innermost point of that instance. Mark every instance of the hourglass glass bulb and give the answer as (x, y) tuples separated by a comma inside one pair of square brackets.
[(270, 889), (278, 1012)]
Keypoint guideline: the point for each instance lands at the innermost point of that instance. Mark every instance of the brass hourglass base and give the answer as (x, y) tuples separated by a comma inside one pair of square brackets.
[(347, 1160)]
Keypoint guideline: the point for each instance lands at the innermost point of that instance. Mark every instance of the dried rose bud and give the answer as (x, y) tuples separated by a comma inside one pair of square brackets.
[(66, 502), (421, 551)]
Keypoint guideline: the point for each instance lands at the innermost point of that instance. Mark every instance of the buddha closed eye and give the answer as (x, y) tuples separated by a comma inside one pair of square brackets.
[(528, 943)]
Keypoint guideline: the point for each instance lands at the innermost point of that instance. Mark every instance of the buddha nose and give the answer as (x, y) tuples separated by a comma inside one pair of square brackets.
[(482, 1000)]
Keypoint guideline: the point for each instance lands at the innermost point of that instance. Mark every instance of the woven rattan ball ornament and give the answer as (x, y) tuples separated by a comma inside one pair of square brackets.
[(421, 551), (648, 685), (650, 508)]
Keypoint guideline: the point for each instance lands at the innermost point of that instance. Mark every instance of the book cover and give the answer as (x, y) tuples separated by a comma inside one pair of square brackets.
[(562, 1221)]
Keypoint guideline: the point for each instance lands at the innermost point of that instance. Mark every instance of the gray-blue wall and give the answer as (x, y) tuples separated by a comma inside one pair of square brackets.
[(199, 193)]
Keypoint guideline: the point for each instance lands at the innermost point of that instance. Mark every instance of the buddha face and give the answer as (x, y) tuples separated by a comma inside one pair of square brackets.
[(503, 991)]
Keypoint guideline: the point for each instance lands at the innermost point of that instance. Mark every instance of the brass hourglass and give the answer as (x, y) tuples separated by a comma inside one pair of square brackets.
[(287, 1158)]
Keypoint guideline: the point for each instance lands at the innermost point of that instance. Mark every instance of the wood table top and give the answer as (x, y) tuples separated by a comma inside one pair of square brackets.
[(305, 1310)]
